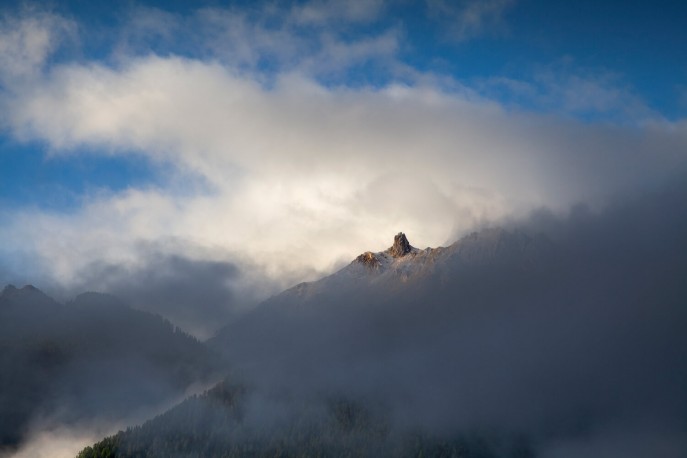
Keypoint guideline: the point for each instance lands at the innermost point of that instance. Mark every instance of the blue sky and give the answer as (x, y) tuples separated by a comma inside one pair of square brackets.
[(218, 129), (633, 47), (643, 44)]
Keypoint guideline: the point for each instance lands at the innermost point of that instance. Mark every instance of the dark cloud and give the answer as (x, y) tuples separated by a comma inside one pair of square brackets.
[(569, 331), (200, 296)]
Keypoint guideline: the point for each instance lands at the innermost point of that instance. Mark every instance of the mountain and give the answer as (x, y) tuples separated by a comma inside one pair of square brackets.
[(219, 423), (387, 299), (403, 267), (507, 343), (92, 358), (300, 361)]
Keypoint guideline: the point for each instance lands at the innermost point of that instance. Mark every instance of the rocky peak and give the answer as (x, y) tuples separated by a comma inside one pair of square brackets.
[(401, 246), (368, 259)]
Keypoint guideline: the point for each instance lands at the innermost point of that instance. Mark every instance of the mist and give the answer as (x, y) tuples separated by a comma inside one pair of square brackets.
[(567, 331), (555, 335), (200, 296), (85, 367)]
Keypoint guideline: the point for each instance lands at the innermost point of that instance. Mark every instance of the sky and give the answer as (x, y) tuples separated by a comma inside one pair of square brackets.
[(271, 142)]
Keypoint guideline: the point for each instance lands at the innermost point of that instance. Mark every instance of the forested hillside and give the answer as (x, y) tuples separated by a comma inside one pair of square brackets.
[(91, 358), (528, 340), (219, 424)]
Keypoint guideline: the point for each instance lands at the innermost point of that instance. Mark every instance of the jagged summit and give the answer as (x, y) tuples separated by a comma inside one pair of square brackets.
[(382, 259), (404, 268), (401, 246)]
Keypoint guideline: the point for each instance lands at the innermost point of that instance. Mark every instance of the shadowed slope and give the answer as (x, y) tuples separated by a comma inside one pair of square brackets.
[(91, 358)]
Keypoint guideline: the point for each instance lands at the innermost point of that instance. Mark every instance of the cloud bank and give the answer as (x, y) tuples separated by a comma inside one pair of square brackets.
[(274, 159), (564, 332)]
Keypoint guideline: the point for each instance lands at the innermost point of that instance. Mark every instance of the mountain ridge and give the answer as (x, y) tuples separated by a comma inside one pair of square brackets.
[(402, 263), (505, 331), (66, 362)]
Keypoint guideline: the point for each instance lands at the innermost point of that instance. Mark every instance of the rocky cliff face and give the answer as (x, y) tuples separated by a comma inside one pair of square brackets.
[(368, 259), (401, 246), (375, 261)]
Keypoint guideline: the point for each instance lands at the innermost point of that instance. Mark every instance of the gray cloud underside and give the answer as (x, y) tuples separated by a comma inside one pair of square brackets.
[(199, 296)]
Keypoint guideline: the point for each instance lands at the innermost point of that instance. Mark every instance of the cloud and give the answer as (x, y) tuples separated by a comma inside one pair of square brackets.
[(198, 295), (560, 87), (293, 176), (293, 168), (279, 171), (27, 39), (59, 443), (311, 38), (470, 18), (331, 12)]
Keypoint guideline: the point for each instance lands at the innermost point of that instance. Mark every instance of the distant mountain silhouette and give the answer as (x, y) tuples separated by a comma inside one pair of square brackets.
[(92, 357)]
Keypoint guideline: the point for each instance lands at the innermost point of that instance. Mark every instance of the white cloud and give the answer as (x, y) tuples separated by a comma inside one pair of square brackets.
[(62, 443), (303, 176), (26, 41), (307, 38), (560, 87)]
